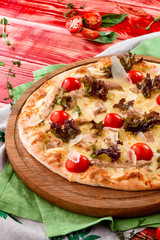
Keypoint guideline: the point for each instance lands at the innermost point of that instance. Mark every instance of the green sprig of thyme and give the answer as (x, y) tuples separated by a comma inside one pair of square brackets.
[(4, 23), (9, 86)]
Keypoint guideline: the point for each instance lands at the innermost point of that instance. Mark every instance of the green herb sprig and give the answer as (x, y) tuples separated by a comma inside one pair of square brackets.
[(4, 23), (156, 19), (9, 87)]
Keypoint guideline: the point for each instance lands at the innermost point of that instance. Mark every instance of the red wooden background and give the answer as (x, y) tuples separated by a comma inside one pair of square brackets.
[(37, 31)]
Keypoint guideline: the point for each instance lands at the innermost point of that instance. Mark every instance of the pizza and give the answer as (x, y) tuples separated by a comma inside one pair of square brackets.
[(98, 124)]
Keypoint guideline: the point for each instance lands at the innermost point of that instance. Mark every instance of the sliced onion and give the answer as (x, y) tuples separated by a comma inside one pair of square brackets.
[(112, 129), (118, 72), (74, 156), (132, 156), (141, 136), (76, 140), (113, 136), (34, 120)]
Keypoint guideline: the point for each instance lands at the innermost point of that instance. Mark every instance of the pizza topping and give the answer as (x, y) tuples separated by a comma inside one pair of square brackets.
[(158, 100), (74, 156), (47, 107), (71, 84), (112, 85), (69, 99), (116, 164), (95, 88), (99, 108), (113, 136), (132, 156), (80, 121), (59, 117), (123, 105), (136, 125), (54, 143), (113, 152), (77, 110), (149, 136), (77, 163), (99, 126), (66, 132), (148, 85), (128, 60), (87, 141), (34, 120), (142, 151), (65, 101), (134, 113), (94, 71), (118, 72), (135, 76), (77, 139), (113, 120)]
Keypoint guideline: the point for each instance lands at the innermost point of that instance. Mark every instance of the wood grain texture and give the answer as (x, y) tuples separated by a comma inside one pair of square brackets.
[(83, 199)]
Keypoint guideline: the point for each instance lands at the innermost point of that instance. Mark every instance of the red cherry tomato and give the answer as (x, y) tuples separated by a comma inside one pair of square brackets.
[(89, 34), (59, 117), (135, 76), (78, 167), (71, 84), (158, 233), (113, 120), (92, 19), (74, 24), (142, 151), (158, 100)]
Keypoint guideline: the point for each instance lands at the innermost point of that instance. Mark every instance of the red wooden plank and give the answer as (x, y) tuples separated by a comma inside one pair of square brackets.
[(37, 31)]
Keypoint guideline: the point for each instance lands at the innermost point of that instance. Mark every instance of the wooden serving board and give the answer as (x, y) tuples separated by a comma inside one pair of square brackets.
[(83, 199)]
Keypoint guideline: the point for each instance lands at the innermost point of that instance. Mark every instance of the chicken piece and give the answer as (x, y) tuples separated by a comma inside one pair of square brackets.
[(80, 121), (48, 104), (54, 143), (99, 108), (111, 85), (149, 136), (134, 113), (88, 140), (79, 93)]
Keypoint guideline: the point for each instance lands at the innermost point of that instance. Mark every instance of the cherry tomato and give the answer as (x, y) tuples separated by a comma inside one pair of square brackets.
[(78, 167), (142, 151), (158, 233), (71, 84), (89, 34), (113, 120), (74, 24), (92, 19), (135, 76), (59, 117), (158, 100)]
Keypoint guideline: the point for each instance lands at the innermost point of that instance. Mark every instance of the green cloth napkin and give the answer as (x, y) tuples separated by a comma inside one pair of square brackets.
[(149, 47), (17, 199)]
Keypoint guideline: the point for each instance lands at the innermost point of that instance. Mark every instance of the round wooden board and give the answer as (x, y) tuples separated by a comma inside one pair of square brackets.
[(83, 199)]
